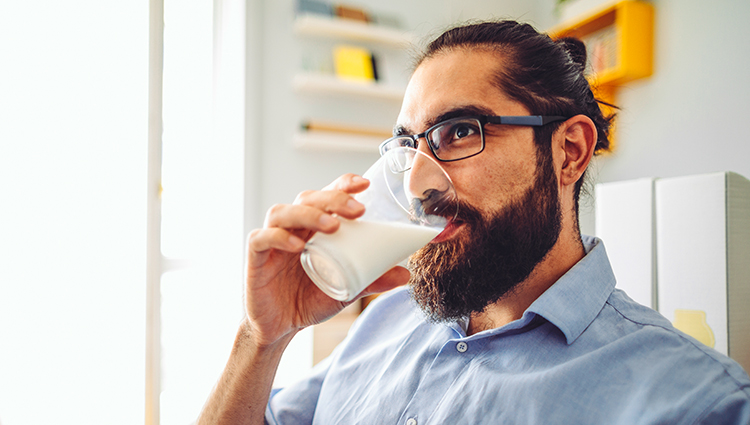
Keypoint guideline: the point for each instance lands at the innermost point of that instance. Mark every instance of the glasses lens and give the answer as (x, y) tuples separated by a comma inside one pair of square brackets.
[(456, 138), (396, 142), (400, 159)]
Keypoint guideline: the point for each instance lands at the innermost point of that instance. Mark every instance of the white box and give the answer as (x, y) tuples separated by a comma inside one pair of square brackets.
[(624, 215), (703, 258)]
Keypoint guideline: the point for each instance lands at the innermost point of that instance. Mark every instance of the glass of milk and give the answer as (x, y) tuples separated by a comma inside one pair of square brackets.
[(409, 202)]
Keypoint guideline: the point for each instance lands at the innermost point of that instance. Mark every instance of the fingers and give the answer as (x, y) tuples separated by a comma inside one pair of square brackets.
[(287, 227), (349, 183), (336, 197), (260, 240), (304, 217)]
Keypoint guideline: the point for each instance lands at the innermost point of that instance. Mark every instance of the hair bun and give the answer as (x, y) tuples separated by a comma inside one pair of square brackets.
[(576, 49)]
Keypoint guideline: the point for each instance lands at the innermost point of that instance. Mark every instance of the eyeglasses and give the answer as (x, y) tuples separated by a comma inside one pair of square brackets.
[(461, 138)]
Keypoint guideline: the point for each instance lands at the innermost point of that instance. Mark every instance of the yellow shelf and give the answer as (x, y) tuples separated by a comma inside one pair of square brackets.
[(619, 38)]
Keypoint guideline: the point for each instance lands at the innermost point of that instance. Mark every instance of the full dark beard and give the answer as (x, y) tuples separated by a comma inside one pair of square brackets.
[(452, 279)]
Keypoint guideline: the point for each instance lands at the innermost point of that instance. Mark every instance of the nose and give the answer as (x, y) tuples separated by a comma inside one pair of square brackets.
[(430, 187), (424, 174)]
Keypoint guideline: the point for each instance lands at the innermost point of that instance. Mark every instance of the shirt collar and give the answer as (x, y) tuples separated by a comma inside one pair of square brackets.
[(574, 301)]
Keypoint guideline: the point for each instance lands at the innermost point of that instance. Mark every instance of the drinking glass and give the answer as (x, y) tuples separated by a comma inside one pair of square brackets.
[(409, 202)]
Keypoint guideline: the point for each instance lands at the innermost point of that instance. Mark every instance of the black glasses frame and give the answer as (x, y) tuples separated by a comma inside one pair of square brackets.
[(520, 120)]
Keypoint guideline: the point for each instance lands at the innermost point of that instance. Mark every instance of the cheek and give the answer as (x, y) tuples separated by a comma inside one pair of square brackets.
[(493, 184)]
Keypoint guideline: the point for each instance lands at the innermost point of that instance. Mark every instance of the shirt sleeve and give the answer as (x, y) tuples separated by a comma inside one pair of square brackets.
[(733, 409), (296, 404)]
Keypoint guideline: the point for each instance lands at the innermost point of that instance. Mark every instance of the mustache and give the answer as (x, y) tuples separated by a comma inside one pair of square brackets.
[(438, 203)]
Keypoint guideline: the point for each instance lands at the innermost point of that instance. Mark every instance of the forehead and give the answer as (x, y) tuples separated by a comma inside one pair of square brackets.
[(459, 79)]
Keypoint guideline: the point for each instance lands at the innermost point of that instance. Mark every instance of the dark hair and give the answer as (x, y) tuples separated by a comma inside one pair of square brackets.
[(544, 75)]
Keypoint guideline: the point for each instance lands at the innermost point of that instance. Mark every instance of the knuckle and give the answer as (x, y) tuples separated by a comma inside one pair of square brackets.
[(303, 196), (253, 234), (274, 211), (253, 239)]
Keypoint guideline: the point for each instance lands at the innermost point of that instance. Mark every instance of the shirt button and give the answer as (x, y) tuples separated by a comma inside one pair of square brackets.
[(411, 421), (462, 347)]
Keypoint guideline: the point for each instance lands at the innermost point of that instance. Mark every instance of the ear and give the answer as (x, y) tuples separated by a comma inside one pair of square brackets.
[(578, 140)]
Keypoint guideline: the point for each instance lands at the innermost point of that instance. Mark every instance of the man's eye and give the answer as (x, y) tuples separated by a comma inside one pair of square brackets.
[(459, 132), (462, 130)]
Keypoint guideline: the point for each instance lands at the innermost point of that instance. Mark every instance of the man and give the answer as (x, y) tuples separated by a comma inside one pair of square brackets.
[(510, 316)]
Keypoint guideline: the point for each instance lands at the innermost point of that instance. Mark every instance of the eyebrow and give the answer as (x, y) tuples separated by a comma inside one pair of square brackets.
[(460, 111)]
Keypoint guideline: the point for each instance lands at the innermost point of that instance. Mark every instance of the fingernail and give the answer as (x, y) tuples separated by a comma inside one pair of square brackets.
[(327, 221), (353, 205), (295, 242), (358, 179)]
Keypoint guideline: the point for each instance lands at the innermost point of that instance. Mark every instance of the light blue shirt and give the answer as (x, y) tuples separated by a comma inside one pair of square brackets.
[(583, 353)]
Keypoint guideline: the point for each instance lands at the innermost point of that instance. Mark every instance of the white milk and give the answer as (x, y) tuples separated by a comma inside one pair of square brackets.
[(359, 252)]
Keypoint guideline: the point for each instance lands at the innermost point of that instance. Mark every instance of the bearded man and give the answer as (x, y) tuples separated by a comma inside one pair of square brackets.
[(510, 316)]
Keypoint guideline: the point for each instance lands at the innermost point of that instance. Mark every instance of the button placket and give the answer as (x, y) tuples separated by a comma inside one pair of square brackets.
[(447, 363)]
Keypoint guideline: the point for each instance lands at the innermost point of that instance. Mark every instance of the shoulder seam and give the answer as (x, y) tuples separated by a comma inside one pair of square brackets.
[(740, 386), (719, 399)]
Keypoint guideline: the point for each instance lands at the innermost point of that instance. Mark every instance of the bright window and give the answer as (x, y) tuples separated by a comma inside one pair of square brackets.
[(73, 131), (202, 202)]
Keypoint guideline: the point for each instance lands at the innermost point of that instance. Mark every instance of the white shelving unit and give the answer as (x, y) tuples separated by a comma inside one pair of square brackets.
[(305, 83), (309, 83), (321, 26), (335, 141)]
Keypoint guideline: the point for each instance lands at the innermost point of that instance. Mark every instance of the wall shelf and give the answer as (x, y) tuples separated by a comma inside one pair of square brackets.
[(619, 38), (339, 28), (336, 141), (309, 83), (368, 96)]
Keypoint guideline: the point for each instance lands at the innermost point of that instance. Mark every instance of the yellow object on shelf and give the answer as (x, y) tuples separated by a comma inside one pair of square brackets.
[(353, 63)]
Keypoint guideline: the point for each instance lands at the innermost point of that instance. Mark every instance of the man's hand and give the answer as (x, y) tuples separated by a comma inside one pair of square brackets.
[(280, 299)]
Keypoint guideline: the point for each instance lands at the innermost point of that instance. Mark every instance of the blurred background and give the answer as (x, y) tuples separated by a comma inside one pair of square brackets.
[(134, 159)]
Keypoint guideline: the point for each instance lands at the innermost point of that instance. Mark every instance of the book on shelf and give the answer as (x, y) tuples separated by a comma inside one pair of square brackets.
[(602, 49), (354, 63), (314, 7), (349, 12), (328, 127)]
